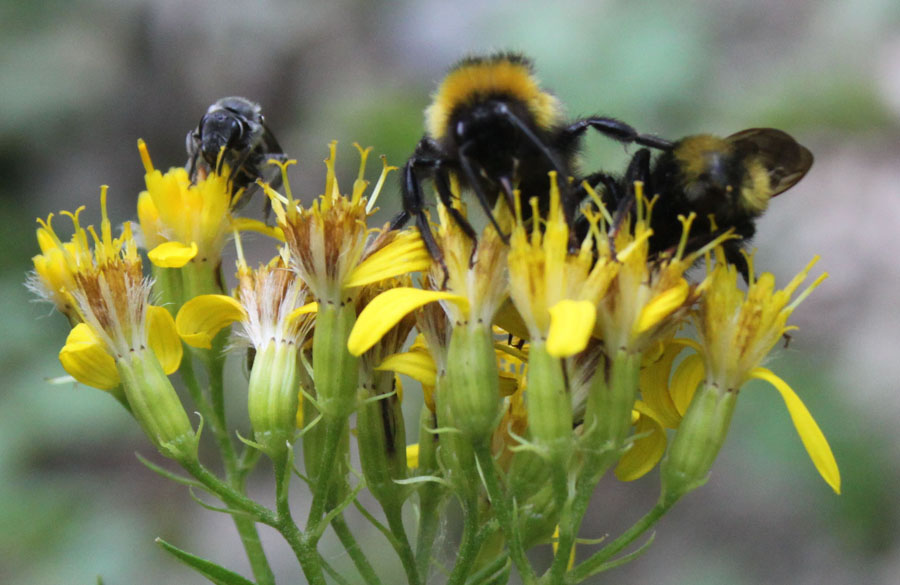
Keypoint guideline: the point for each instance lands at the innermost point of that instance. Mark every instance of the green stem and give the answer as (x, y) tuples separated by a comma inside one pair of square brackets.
[(229, 495), (190, 381), (407, 558), (487, 571), (572, 515), (501, 507), (429, 523), (468, 547), (334, 428), (303, 546), (587, 568), (259, 564), (356, 553), (235, 472), (214, 360)]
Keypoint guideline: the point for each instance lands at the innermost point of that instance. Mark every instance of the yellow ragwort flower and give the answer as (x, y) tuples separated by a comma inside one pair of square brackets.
[(329, 241), (121, 343)]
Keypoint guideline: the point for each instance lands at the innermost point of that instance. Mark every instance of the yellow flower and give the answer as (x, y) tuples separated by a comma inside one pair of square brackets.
[(99, 281), (646, 300), (270, 304), (737, 330), (329, 242), (120, 343), (181, 221)]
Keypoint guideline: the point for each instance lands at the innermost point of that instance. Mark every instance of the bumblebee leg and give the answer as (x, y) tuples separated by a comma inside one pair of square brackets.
[(473, 178), (442, 185), (615, 129), (562, 173), (414, 206)]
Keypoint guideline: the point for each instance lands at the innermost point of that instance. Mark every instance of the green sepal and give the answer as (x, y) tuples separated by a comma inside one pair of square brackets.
[(611, 398), (381, 437), (167, 288), (697, 442), (335, 370), (215, 573), (472, 382), (273, 396), (156, 406), (549, 406)]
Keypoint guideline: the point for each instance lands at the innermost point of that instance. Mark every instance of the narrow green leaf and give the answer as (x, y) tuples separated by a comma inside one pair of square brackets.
[(215, 573)]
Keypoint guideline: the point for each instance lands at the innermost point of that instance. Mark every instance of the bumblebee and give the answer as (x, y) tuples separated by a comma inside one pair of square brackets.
[(727, 182), (233, 132), (492, 126)]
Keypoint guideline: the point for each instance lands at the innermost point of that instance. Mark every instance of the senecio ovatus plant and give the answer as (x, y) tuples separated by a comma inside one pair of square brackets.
[(543, 366)]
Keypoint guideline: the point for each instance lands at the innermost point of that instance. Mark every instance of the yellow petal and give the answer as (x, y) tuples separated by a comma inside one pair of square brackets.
[(571, 324), (85, 358), (810, 433), (387, 309), (685, 380), (508, 383), (405, 254), (508, 318), (304, 310), (662, 305), (654, 383), (645, 452), (412, 456), (202, 317), (416, 364), (163, 338), (246, 224), (172, 254)]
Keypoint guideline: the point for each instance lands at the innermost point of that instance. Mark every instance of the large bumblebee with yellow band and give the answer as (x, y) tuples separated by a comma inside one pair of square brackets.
[(727, 182), (495, 129)]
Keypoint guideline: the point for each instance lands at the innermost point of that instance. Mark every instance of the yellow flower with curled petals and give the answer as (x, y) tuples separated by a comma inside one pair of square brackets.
[(120, 342)]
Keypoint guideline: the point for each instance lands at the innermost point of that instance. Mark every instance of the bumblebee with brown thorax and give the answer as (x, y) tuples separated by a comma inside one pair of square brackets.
[(727, 182)]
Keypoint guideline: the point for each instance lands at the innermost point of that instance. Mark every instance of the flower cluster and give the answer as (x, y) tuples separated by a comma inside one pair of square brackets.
[(546, 360)]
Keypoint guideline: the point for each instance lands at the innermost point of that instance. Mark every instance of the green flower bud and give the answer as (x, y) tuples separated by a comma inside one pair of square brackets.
[(335, 370), (471, 385), (549, 406), (273, 395), (700, 436), (607, 419), (381, 437), (156, 406)]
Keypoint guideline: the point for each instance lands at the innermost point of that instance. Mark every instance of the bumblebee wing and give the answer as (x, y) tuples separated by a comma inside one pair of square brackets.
[(270, 144), (786, 159)]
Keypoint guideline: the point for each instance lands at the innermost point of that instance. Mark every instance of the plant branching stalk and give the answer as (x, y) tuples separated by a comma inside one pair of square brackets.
[(500, 505), (407, 559), (468, 547), (588, 567), (353, 549), (607, 423)]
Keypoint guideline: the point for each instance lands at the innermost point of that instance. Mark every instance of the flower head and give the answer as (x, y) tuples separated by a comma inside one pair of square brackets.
[(183, 221), (120, 342), (329, 241), (737, 329), (96, 279)]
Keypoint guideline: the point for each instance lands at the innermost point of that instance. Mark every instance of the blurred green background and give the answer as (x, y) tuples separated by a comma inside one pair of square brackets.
[(81, 80)]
